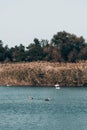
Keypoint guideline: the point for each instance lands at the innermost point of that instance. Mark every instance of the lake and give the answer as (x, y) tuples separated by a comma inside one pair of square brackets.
[(66, 110)]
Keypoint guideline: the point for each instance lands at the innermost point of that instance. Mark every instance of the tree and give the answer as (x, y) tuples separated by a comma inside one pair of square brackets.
[(18, 53), (2, 52), (35, 51), (83, 53), (67, 43), (8, 54)]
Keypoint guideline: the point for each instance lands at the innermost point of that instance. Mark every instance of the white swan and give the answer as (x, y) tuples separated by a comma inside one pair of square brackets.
[(57, 86)]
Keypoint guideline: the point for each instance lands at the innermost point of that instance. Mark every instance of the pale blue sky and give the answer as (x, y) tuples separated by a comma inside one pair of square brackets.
[(23, 20)]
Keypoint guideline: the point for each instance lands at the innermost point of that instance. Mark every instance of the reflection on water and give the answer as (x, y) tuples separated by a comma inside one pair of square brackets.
[(66, 109)]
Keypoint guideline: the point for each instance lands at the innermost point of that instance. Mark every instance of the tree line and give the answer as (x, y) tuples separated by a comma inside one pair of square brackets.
[(63, 47)]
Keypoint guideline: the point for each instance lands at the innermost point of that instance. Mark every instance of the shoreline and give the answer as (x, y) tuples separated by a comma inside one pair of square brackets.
[(43, 86)]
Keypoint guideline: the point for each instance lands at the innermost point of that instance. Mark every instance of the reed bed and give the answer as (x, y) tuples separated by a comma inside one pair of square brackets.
[(44, 74)]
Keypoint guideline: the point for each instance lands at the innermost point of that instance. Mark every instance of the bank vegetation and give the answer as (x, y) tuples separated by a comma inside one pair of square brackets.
[(44, 74)]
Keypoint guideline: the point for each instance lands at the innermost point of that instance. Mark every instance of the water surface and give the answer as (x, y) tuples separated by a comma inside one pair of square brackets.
[(67, 109)]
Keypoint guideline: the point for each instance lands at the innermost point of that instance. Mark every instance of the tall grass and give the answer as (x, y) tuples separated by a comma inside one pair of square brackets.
[(44, 74)]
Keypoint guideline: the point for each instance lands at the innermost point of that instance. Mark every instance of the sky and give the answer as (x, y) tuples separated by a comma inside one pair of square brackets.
[(23, 20)]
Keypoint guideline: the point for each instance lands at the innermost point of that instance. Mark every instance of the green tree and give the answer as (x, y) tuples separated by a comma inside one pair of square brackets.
[(2, 52), (18, 53), (83, 53), (8, 54), (67, 43), (35, 51)]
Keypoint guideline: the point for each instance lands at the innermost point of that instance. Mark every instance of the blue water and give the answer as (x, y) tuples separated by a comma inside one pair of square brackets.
[(67, 109)]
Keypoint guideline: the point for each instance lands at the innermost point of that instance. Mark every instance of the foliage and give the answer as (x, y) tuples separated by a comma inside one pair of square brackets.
[(63, 47)]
